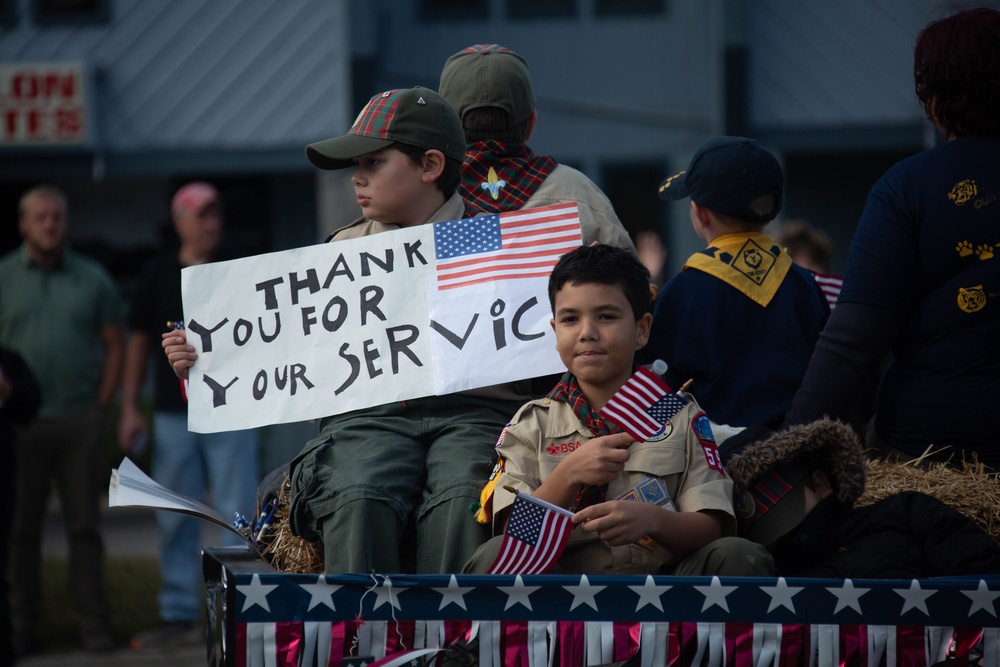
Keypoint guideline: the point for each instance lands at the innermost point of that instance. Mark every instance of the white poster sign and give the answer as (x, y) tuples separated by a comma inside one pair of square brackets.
[(326, 329)]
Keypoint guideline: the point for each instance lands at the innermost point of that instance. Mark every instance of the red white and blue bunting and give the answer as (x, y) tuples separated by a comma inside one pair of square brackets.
[(276, 620)]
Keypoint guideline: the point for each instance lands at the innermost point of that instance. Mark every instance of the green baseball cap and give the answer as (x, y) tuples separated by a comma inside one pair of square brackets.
[(414, 116), (488, 75)]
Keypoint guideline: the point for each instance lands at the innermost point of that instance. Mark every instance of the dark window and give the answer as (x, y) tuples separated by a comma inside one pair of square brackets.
[(632, 191), (736, 84), (531, 9), (629, 7), (71, 12), (444, 10), (8, 12)]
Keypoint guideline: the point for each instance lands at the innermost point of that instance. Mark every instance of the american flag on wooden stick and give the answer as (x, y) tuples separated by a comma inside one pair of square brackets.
[(643, 405)]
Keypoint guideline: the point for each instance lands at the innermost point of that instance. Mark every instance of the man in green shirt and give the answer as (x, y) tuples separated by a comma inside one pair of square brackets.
[(62, 313)]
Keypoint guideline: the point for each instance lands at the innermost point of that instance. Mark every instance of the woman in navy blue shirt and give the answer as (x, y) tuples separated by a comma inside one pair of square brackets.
[(923, 273)]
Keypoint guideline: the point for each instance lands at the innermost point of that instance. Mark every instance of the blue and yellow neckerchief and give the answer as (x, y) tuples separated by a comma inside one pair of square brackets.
[(748, 261)]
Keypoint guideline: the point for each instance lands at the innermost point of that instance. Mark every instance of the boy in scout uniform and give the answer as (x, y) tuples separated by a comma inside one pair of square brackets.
[(741, 319), (561, 450), (372, 473)]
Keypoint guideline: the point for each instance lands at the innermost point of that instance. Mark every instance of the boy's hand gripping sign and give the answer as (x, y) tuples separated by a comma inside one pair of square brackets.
[(326, 329)]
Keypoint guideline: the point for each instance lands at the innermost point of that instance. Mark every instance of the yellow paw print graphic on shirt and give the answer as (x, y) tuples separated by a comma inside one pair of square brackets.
[(982, 251)]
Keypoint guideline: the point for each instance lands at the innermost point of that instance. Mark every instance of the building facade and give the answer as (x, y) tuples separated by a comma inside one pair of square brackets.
[(120, 101)]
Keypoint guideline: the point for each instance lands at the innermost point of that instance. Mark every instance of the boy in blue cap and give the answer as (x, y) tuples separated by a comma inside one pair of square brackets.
[(741, 319)]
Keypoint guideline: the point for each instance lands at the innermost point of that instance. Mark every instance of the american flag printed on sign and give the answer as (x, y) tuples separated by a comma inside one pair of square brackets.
[(536, 535), (643, 405), (517, 244)]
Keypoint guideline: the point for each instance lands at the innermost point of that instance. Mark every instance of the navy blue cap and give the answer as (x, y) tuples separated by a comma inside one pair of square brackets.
[(726, 175)]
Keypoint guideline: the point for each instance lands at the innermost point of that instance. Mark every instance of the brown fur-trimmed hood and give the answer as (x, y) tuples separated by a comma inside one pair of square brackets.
[(825, 444)]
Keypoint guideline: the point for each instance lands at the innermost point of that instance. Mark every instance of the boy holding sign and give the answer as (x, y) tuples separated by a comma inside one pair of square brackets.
[(373, 472), (562, 449)]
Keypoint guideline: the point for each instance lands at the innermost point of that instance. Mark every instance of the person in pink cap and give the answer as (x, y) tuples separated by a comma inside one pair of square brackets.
[(188, 463)]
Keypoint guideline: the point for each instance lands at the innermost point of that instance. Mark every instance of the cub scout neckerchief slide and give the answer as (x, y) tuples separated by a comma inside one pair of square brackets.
[(750, 262)]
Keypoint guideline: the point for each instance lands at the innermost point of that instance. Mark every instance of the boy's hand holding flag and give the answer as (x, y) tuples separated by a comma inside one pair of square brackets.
[(536, 535)]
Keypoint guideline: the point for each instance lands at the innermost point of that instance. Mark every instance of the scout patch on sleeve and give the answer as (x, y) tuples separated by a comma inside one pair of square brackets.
[(703, 431), (743, 504), (497, 459), (500, 439)]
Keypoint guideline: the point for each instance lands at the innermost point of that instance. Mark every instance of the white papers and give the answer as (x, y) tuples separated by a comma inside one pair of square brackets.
[(131, 487)]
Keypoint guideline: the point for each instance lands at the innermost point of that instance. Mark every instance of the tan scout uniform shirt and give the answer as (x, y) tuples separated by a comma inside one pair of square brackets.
[(598, 221), (453, 209), (544, 432)]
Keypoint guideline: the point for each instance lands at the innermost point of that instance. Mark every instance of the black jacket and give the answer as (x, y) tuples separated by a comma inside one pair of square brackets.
[(908, 535), (24, 400)]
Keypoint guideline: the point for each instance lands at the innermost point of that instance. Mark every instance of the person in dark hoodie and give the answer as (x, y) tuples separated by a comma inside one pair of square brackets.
[(20, 398), (795, 492)]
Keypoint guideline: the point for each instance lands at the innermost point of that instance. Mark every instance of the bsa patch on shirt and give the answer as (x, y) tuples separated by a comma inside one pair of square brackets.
[(557, 448), (703, 431)]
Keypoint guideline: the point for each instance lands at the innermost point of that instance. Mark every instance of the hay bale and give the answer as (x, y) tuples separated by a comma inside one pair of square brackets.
[(288, 553), (967, 487)]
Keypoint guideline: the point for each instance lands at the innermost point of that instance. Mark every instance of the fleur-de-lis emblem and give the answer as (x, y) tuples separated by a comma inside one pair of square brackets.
[(493, 184)]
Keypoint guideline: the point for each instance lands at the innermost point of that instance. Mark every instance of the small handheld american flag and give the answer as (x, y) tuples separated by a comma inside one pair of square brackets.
[(178, 325), (644, 404), (536, 535)]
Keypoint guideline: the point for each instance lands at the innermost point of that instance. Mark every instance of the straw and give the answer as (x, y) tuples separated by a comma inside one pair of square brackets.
[(967, 486), (286, 552)]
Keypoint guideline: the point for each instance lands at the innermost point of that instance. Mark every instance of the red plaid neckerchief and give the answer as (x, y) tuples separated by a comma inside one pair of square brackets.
[(517, 174), (568, 391)]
